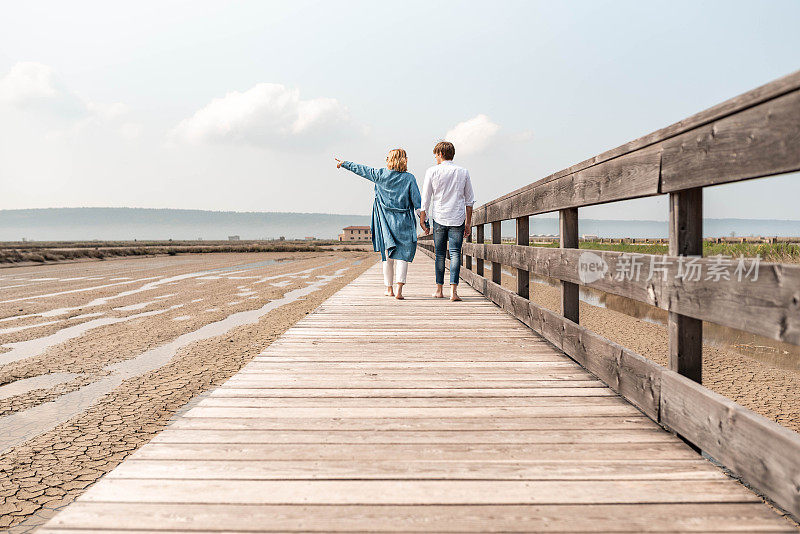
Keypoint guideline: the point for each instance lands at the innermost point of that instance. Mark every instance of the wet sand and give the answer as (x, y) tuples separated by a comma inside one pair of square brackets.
[(95, 357)]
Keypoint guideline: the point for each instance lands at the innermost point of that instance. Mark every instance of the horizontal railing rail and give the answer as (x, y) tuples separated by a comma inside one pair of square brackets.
[(751, 136)]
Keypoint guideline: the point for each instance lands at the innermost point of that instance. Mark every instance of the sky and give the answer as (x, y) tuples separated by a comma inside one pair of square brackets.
[(242, 105)]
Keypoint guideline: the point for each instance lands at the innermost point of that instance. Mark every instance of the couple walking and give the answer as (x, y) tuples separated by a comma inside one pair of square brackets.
[(398, 202)]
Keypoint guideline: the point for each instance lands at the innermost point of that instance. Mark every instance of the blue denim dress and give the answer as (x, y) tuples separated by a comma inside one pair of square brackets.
[(394, 222)]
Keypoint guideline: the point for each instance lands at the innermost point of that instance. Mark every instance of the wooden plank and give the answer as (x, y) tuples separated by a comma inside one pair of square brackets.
[(635, 435), (425, 367), (569, 381), (760, 141), (232, 391), (485, 452), (568, 238), (706, 517), (767, 305), (686, 239), (765, 454), (422, 424), (408, 402), (416, 470), (488, 411), (336, 492)]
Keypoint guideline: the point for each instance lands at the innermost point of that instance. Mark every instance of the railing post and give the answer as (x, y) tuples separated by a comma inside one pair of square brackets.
[(686, 239), (497, 269), (523, 238), (568, 238), (467, 257), (479, 238)]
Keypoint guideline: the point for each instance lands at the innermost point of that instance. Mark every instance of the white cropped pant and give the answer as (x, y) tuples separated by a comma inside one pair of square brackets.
[(394, 271)]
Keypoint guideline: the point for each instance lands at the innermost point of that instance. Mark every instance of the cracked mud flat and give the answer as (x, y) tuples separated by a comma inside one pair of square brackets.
[(95, 357)]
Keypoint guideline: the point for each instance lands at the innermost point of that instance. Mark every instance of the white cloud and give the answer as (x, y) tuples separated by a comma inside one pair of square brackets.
[(28, 81), (267, 114), (472, 135), (34, 87), (30, 85)]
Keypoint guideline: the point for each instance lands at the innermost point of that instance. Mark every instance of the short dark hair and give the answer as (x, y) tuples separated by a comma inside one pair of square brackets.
[(445, 149)]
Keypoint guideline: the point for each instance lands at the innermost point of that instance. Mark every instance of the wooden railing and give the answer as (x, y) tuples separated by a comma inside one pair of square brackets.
[(753, 135)]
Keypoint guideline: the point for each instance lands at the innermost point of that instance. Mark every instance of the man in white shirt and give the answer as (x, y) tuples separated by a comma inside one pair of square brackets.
[(449, 188)]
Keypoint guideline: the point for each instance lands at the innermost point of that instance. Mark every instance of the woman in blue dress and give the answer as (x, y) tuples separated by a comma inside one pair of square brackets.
[(394, 215)]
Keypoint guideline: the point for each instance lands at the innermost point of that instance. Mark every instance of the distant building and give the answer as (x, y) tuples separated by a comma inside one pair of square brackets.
[(310, 238), (589, 237), (234, 238), (356, 233)]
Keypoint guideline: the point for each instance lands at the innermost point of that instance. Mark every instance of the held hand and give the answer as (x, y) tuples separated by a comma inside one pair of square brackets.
[(467, 232), (338, 163), (425, 228)]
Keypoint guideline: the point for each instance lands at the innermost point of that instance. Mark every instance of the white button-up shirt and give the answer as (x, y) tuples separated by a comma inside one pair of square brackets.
[(449, 188)]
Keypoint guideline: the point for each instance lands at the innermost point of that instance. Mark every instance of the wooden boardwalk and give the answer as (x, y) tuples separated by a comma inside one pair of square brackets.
[(423, 415)]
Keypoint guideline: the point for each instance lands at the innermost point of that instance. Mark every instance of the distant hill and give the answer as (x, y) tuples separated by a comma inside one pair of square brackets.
[(77, 224)]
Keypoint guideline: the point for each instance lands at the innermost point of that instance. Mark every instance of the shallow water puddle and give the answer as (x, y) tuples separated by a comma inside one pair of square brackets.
[(33, 347), (26, 424), (25, 385), (137, 306), (68, 291), (13, 329)]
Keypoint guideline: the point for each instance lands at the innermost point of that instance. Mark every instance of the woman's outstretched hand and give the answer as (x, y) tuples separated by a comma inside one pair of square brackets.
[(338, 163)]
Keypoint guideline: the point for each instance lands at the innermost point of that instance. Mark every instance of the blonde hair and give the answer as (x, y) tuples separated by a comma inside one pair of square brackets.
[(397, 160)]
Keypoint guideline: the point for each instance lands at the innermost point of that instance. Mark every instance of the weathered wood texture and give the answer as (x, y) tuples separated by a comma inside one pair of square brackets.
[(700, 416), (568, 238), (497, 272), (686, 239), (341, 425), (479, 238), (523, 239), (768, 304), (752, 135)]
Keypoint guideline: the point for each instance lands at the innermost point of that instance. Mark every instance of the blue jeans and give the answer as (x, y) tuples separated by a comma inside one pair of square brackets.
[(448, 238)]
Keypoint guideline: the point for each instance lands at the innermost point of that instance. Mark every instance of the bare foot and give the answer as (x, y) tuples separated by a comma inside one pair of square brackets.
[(454, 293), (399, 296), (389, 292), (438, 295)]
